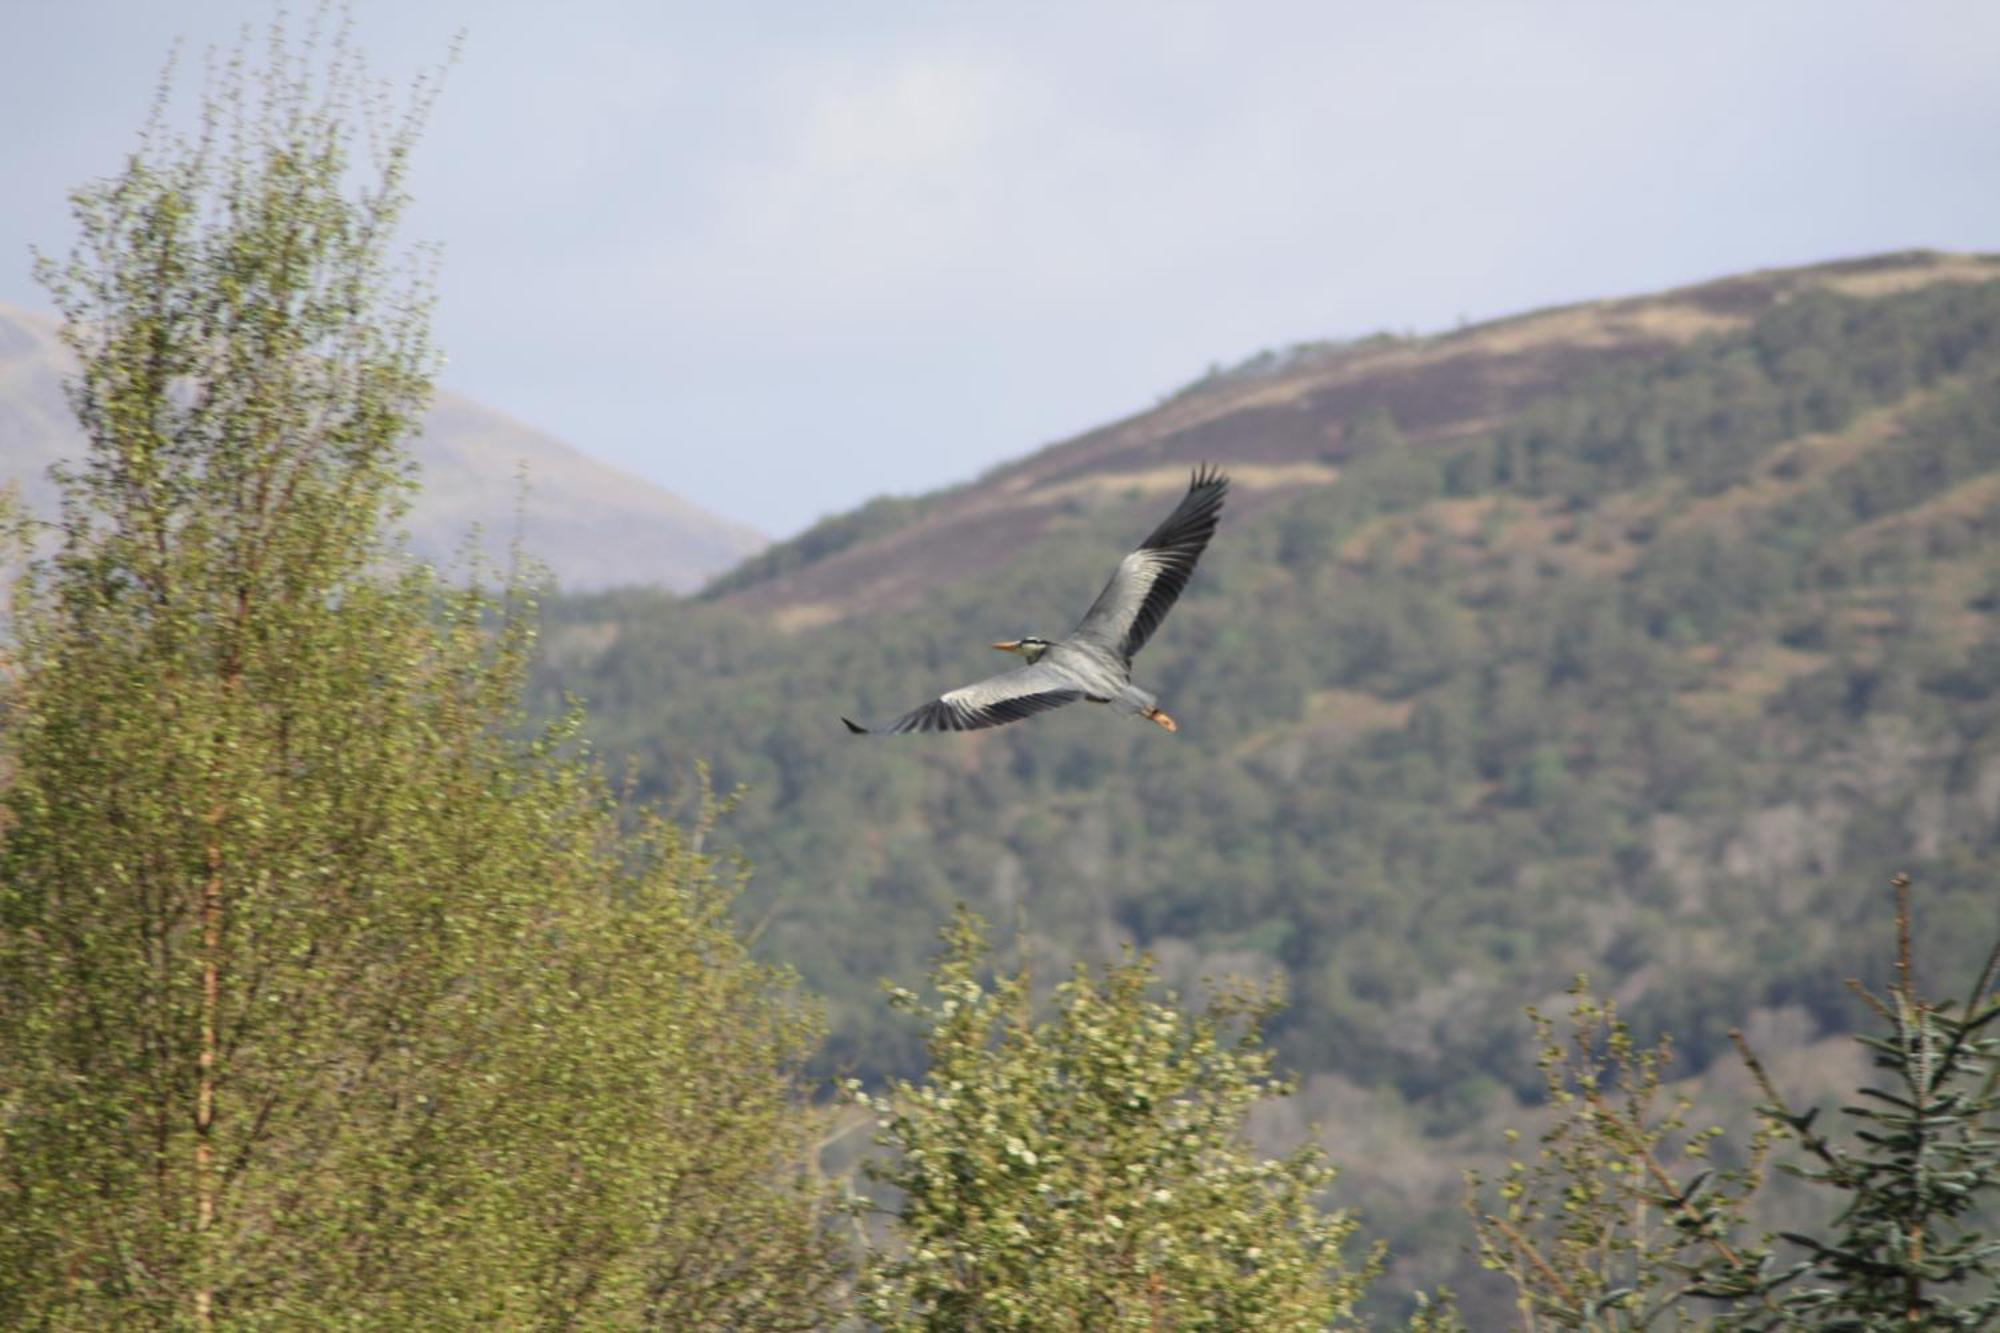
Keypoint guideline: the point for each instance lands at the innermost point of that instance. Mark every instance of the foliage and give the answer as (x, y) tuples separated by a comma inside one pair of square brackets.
[(1545, 725), (330, 992), (1601, 1234), (1907, 1244), (1640, 683), (1621, 1217), (1088, 1171)]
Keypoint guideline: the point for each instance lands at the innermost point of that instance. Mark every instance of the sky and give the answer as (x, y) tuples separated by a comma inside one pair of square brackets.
[(782, 257)]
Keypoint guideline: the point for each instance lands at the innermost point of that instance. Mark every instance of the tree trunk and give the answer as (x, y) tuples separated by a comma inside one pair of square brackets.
[(204, 1098)]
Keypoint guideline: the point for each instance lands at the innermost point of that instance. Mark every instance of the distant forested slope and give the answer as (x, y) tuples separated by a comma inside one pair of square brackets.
[(1658, 678), (1644, 680)]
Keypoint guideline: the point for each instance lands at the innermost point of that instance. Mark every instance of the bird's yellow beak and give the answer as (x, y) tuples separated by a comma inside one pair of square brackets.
[(1006, 647)]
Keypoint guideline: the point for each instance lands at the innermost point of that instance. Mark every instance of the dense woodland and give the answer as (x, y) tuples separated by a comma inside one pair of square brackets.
[(1654, 681), (339, 987), (1646, 681)]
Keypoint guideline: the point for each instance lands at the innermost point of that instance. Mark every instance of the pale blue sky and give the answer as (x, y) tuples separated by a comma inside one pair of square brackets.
[(782, 257)]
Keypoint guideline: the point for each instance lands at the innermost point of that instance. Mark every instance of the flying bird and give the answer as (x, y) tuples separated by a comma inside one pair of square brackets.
[(1095, 662)]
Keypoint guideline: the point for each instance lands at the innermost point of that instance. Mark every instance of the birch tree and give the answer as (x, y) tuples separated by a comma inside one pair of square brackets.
[(325, 997)]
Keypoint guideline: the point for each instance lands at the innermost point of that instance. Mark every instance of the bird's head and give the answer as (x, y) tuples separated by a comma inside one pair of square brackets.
[(1030, 646)]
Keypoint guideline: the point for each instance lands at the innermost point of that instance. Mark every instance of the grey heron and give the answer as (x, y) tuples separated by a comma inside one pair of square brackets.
[(1095, 662)]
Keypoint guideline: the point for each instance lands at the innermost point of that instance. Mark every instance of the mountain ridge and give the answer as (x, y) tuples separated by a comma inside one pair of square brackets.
[(591, 524), (1283, 420)]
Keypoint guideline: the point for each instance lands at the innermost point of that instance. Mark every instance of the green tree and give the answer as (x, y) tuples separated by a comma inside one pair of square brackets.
[(329, 992), (1908, 1243), (1623, 1223), (1089, 1171), (1619, 1217)]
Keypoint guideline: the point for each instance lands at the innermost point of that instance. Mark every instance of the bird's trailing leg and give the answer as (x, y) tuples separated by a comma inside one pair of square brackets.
[(1161, 720)]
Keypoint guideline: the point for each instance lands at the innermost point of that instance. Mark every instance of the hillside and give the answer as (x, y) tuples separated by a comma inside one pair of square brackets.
[(1284, 421), (593, 525), (1644, 638)]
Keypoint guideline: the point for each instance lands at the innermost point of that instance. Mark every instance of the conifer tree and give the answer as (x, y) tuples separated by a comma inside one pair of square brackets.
[(1909, 1240), (1624, 1223)]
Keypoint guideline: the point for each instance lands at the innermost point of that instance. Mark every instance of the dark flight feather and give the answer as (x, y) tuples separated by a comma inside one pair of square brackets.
[(1149, 581)]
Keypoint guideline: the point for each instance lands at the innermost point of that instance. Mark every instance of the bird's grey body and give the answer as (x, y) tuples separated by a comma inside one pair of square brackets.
[(1095, 662), (1102, 675)]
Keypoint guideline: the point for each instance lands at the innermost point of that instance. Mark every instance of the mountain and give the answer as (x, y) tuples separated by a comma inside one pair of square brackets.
[(593, 525), (1645, 638), (1284, 420)]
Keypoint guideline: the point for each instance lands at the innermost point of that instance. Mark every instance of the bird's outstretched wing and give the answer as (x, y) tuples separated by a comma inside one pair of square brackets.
[(1007, 697), (1149, 580)]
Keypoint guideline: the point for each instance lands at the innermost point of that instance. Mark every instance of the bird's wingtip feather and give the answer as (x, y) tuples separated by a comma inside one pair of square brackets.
[(855, 727)]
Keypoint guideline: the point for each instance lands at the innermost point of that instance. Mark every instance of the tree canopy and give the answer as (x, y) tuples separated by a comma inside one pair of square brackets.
[(333, 989), (1090, 1170)]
